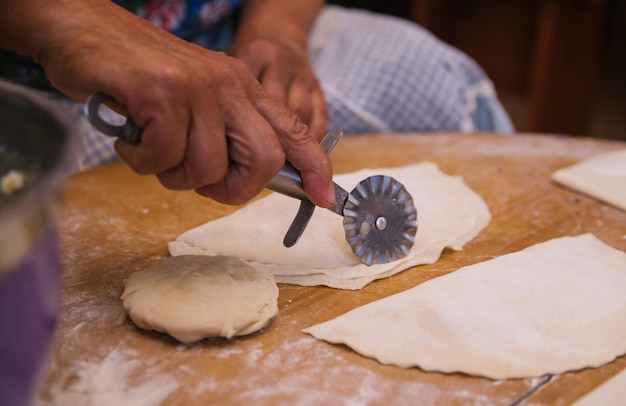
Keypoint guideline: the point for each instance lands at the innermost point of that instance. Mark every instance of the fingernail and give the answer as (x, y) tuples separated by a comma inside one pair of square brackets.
[(330, 195)]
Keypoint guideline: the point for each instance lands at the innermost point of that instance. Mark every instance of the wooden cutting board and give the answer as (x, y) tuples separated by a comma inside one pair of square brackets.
[(114, 222)]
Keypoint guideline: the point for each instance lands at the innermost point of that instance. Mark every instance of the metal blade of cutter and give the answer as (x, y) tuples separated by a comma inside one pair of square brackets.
[(380, 219)]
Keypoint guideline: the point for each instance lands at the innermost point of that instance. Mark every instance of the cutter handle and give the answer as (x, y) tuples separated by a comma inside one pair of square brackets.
[(128, 131), (288, 182)]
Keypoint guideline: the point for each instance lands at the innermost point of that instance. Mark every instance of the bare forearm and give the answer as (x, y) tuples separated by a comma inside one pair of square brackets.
[(288, 20), (59, 33), (27, 25)]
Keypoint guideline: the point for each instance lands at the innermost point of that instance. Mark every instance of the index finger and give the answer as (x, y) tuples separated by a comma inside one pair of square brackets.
[(301, 150)]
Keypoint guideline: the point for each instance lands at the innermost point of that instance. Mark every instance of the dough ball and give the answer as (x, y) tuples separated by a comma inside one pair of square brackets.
[(191, 297)]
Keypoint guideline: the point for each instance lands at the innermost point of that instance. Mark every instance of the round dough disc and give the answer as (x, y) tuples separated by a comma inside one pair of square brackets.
[(191, 297)]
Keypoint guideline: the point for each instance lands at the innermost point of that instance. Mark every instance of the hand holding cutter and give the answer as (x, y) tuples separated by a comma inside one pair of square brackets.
[(379, 217)]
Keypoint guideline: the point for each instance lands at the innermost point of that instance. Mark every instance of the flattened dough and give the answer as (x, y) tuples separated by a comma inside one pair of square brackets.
[(601, 176), (192, 297), (550, 308), (449, 215)]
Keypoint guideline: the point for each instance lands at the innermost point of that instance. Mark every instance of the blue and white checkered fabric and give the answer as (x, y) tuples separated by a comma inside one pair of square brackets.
[(97, 148), (382, 73), (379, 74)]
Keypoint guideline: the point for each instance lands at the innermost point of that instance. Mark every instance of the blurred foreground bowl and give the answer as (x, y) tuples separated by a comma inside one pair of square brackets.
[(37, 152)]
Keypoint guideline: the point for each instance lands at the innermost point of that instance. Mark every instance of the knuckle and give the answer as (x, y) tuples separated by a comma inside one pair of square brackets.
[(231, 72), (199, 174), (268, 163), (171, 79), (299, 131), (188, 176), (170, 180), (238, 64)]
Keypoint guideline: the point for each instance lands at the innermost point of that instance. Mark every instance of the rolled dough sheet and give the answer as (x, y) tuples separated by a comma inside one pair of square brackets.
[(449, 215), (193, 297), (550, 308), (601, 176)]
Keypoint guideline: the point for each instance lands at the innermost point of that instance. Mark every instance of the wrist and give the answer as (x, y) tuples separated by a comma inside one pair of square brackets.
[(293, 37)]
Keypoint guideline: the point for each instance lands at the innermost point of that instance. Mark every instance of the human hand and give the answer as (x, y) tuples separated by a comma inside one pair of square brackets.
[(284, 72), (207, 123)]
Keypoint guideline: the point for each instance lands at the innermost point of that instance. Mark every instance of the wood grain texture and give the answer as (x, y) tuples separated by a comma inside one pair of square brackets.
[(114, 222)]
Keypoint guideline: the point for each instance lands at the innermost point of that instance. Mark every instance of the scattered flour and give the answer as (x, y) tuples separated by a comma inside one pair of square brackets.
[(108, 383), (311, 373)]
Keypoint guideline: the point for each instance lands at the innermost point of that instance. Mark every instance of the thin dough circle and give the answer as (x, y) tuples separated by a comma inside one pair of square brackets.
[(550, 308), (191, 297), (450, 214)]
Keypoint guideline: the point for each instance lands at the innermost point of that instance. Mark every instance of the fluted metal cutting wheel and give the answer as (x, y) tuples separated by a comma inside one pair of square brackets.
[(380, 220)]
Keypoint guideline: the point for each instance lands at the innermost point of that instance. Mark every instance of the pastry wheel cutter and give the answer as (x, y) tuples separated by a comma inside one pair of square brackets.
[(379, 217)]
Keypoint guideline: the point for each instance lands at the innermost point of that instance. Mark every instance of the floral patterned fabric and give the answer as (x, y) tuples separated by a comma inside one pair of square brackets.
[(208, 23)]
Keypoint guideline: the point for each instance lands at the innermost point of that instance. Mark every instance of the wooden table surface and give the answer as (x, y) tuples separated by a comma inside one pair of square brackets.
[(114, 222)]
